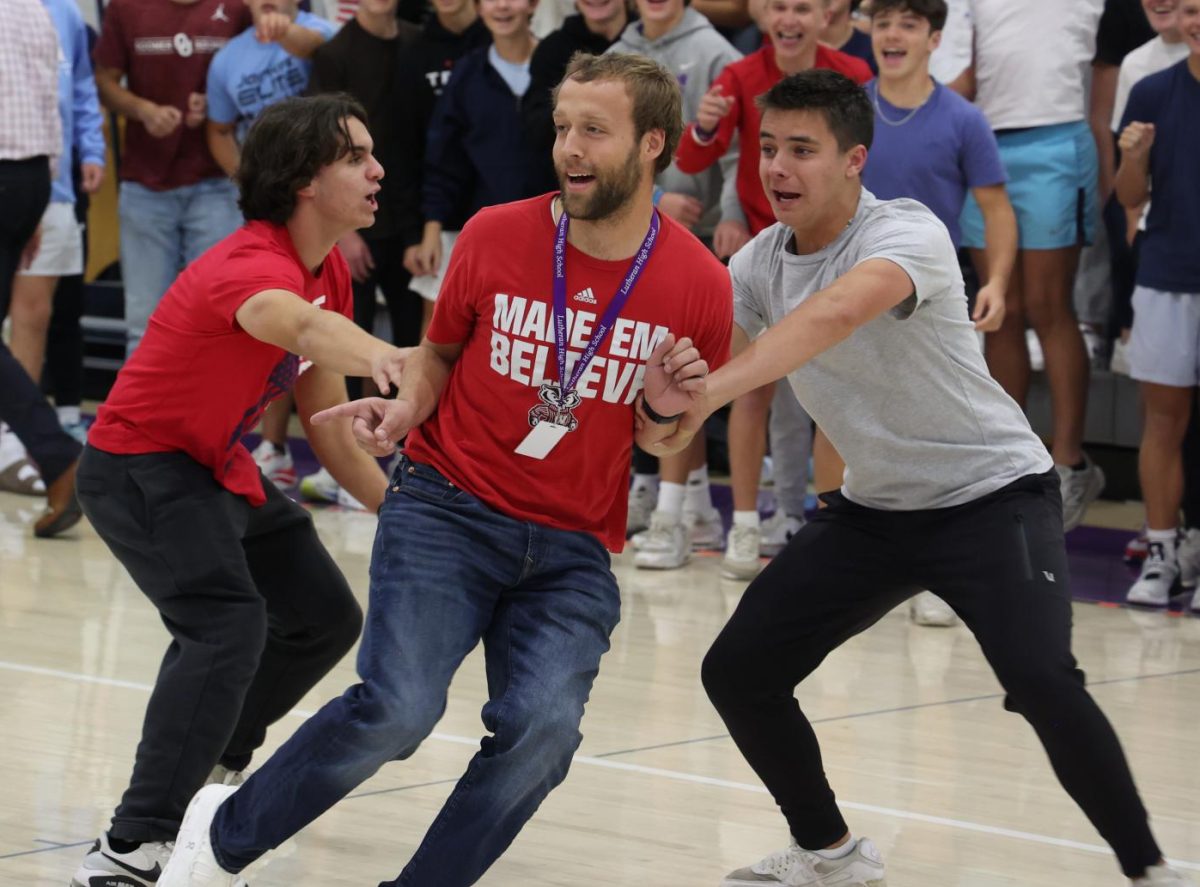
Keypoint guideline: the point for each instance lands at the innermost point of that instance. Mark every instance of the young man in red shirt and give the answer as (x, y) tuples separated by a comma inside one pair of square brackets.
[(793, 29), (521, 408), (257, 609)]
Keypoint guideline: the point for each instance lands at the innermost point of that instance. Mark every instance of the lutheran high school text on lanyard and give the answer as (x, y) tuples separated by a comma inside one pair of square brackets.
[(552, 418)]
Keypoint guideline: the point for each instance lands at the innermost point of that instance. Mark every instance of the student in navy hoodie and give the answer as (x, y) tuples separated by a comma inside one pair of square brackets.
[(476, 154)]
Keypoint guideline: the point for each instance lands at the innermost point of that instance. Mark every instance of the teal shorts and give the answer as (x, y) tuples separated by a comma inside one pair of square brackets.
[(1052, 183)]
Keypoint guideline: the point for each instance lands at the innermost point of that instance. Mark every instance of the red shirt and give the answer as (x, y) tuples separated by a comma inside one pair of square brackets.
[(496, 300), (747, 79), (198, 381), (164, 49)]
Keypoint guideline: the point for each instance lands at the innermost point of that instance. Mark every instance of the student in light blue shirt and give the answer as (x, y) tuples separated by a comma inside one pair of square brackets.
[(268, 62)]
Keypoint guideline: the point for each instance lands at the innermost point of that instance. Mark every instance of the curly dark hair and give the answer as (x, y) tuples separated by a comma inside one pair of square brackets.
[(843, 102), (286, 146)]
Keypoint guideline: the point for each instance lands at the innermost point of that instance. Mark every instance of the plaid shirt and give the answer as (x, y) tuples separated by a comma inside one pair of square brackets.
[(29, 56)]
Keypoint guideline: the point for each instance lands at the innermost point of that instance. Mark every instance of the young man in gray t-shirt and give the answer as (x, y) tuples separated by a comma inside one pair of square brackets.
[(946, 488)]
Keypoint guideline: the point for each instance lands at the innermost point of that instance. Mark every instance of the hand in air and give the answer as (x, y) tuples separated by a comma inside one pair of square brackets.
[(674, 376)]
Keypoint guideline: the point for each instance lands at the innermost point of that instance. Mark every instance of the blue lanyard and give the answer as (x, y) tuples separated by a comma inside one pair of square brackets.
[(609, 318)]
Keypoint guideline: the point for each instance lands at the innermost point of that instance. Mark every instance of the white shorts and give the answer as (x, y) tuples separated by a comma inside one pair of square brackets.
[(61, 251), (429, 287), (1164, 347)]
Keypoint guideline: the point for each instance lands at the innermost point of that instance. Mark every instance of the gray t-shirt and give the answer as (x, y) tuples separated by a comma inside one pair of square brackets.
[(907, 399)]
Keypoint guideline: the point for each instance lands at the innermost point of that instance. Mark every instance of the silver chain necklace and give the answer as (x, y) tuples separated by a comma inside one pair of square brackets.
[(907, 117)]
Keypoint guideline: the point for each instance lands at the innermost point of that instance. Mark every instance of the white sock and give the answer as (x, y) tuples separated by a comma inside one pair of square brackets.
[(646, 482), (746, 519), (698, 498), (837, 852), (670, 498), (1166, 538), (68, 415)]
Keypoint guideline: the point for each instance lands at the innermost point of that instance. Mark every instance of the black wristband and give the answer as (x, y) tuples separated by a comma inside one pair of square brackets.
[(658, 418), (704, 135)]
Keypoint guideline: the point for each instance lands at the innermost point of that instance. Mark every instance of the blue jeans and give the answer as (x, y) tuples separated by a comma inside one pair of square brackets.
[(161, 232), (446, 572)]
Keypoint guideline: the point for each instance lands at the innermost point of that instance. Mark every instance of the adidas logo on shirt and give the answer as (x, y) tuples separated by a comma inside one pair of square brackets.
[(586, 296)]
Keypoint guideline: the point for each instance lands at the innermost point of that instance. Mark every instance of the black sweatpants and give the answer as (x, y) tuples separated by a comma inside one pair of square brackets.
[(24, 194), (1000, 563), (257, 610)]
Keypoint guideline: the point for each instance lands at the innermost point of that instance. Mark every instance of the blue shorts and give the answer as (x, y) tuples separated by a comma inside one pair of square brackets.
[(1052, 183)]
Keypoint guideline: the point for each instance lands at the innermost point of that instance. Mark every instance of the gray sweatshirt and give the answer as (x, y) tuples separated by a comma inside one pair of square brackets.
[(695, 53)]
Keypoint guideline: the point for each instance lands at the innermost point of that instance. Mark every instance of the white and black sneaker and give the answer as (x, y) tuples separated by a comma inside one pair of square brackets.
[(1160, 572), (105, 867), (794, 867)]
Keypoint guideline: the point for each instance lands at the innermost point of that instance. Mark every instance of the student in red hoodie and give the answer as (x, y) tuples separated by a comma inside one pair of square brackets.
[(793, 29)]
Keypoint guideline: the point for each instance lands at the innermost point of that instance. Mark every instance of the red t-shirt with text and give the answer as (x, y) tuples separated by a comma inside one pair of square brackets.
[(164, 49), (198, 382), (497, 300)]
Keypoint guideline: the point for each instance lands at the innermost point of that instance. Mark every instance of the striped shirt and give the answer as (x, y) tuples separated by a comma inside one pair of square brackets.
[(29, 54)]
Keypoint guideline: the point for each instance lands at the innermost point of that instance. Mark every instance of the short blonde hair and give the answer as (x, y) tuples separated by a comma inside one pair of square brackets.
[(657, 103)]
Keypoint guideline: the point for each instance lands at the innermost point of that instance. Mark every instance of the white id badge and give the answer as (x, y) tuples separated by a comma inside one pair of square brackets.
[(541, 440)]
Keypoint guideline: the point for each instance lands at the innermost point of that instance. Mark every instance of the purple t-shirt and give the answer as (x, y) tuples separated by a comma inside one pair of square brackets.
[(934, 155)]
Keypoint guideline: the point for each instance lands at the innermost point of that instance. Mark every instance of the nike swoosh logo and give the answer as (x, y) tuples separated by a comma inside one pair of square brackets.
[(146, 874)]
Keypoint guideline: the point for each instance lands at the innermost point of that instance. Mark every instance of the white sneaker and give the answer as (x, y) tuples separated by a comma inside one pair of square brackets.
[(193, 863), (103, 866), (1159, 572), (641, 505), (862, 867), (1188, 554), (1037, 360), (277, 467), (1079, 490), (929, 609), (741, 559), (1096, 346), (665, 545), (1162, 876), (705, 530), (777, 532), (320, 487)]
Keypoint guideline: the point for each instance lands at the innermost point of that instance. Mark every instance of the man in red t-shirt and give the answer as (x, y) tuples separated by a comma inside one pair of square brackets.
[(793, 29), (512, 488), (256, 607), (175, 202)]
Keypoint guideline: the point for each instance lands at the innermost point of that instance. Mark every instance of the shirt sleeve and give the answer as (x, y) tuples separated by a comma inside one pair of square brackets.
[(88, 122), (919, 244), (1142, 106), (748, 311), (248, 271), (691, 156), (221, 106), (112, 50), (456, 308), (980, 153)]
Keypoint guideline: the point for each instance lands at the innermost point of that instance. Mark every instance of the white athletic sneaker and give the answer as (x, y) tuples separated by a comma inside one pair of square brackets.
[(929, 609), (862, 867), (193, 864), (104, 867), (665, 545), (705, 530), (1079, 490), (1188, 553), (1162, 876), (641, 505), (1159, 572), (278, 467), (777, 532), (741, 553), (319, 487)]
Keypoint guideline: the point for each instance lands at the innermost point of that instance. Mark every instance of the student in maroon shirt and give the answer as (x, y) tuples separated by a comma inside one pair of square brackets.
[(175, 202)]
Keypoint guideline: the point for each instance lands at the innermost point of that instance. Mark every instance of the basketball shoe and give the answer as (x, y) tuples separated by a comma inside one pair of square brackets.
[(105, 867), (794, 867)]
